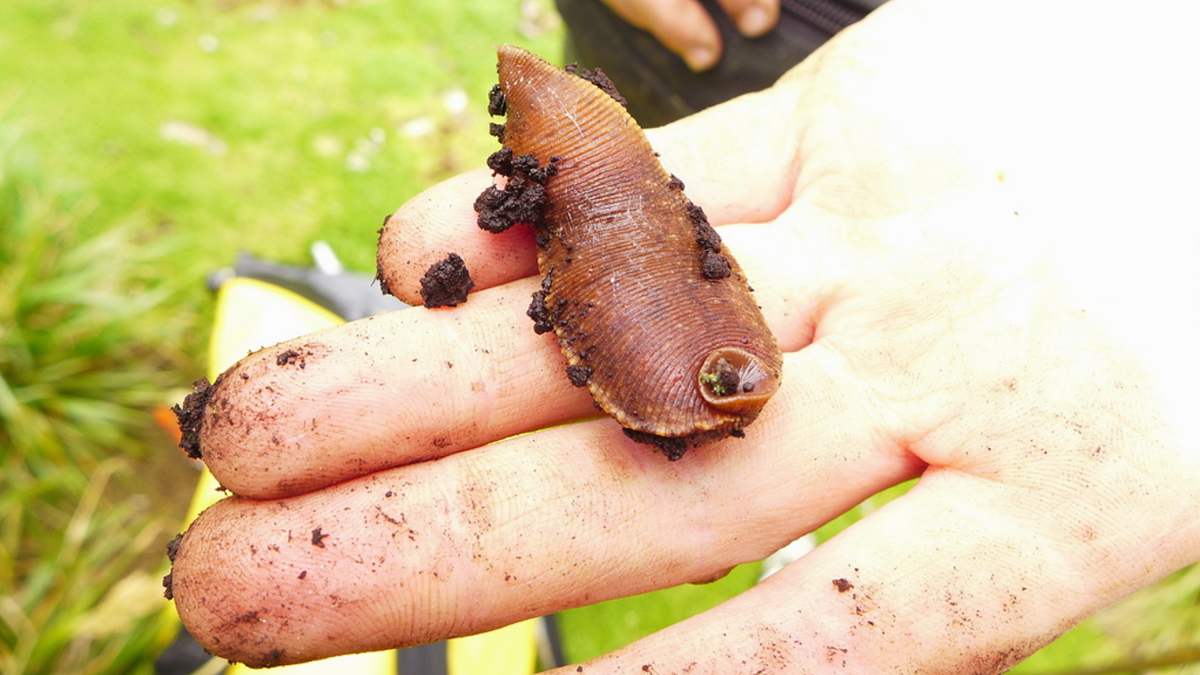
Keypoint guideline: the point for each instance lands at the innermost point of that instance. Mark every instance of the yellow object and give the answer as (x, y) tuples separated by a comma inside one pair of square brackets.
[(253, 314), (511, 650)]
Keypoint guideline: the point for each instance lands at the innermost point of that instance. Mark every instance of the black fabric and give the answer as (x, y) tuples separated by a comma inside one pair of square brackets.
[(661, 88), (551, 654), (430, 659), (183, 656)]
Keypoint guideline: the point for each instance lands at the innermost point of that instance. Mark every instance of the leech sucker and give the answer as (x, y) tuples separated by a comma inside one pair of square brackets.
[(652, 313)]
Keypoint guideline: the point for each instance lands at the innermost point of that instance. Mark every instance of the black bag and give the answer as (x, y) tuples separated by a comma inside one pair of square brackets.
[(661, 88)]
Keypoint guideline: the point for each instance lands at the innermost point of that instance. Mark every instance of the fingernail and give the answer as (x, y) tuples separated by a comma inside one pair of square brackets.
[(700, 58), (754, 21)]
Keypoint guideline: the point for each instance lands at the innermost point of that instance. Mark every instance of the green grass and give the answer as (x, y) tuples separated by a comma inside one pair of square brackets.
[(142, 145), (85, 325), (597, 629), (297, 111)]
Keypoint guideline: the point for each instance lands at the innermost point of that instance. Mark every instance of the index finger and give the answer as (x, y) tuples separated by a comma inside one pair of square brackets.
[(381, 392)]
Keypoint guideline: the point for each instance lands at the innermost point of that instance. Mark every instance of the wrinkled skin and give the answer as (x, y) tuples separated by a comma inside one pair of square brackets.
[(976, 241)]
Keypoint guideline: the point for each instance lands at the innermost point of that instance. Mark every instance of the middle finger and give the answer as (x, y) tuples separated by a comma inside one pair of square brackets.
[(394, 389)]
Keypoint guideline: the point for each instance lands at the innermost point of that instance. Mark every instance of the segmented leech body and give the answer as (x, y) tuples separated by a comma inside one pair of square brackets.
[(652, 313)]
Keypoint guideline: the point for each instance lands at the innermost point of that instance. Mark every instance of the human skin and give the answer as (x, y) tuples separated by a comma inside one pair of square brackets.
[(975, 238), (685, 27)]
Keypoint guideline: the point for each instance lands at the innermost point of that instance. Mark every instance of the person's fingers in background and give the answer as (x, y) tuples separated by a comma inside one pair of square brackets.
[(686, 28), (673, 58)]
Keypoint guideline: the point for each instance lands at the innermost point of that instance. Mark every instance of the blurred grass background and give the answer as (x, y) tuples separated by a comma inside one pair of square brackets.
[(143, 143)]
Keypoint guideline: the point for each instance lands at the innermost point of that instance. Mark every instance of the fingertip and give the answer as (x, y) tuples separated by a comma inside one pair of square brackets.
[(394, 270), (682, 26), (757, 19), (440, 221), (701, 57)]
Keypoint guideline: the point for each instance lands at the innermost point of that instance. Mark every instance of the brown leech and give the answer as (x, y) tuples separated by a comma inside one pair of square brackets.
[(651, 311)]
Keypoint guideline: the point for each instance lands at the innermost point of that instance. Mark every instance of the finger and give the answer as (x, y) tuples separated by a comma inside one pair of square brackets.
[(934, 582), (442, 220), (419, 384), (753, 18), (753, 184), (757, 138), (530, 525), (574, 515), (393, 389), (682, 26)]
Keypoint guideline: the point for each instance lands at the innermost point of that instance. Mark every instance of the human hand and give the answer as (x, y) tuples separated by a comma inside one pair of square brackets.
[(686, 28), (972, 258)]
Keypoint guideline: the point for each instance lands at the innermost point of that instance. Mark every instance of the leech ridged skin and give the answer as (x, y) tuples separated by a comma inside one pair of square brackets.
[(653, 314)]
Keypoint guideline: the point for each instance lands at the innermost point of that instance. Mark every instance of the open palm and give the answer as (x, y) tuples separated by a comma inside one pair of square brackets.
[(974, 264)]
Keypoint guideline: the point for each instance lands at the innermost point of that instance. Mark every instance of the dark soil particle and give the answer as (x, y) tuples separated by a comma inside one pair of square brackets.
[(446, 282), (505, 163), (273, 658), (318, 539), (379, 276), (706, 236), (520, 201), (579, 375), (191, 416), (248, 617), (537, 312), (842, 585), (172, 552), (729, 381), (290, 357), (497, 106), (383, 286), (535, 173), (598, 78), (714, 266), (173, 547), (522, 198), (724, 379), (501, 161), (673, 448)]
